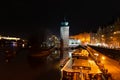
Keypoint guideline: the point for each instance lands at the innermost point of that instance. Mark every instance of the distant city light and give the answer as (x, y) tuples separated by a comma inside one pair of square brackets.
[(117, 32), (98, 44), (14, 44), (10, 38), (23, 45), (103, 36)]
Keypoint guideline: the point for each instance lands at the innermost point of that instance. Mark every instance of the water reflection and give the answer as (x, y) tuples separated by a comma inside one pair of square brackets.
[(55, 55), (7, 56), (48, 65), (24, 67)]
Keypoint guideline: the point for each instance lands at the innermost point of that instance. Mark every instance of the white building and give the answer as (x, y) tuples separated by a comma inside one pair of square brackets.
[(74, 42)]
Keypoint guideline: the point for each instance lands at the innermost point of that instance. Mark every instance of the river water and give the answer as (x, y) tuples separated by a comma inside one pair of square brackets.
[(21, 67)]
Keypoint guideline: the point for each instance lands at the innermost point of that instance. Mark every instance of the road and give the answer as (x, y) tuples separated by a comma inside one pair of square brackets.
[(112, 65)]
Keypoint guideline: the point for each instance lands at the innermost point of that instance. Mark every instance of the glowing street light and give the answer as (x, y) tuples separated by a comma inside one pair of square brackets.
[(103, 58)]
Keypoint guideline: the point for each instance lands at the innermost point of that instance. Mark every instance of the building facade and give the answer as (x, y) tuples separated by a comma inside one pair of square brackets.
[(84, 38), (107, 36)]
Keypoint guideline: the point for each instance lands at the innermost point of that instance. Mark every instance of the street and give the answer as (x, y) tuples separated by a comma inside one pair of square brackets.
[(112, 65)]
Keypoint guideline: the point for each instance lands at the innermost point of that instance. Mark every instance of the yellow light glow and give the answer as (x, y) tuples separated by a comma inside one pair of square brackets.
[(111, 37), (102, 35), (103, 58), (89, 61), (11, 38), (114, 33)]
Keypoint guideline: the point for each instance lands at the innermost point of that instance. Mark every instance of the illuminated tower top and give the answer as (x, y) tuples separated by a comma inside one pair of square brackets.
[(64, 23)]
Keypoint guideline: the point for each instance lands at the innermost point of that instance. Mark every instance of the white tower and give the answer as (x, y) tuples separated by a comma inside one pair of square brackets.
[(64, 31)]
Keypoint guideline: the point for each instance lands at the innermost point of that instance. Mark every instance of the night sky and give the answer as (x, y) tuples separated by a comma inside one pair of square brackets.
[(24, 17)]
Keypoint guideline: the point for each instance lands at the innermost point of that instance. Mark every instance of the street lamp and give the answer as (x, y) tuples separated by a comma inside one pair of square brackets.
[(103, 58)]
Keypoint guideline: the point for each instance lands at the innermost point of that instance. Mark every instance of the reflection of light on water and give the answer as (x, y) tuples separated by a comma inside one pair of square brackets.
[(53, 60), (56, 51), (65, 54), (33, 68), (54, 55), (70, 54), (6, 60)]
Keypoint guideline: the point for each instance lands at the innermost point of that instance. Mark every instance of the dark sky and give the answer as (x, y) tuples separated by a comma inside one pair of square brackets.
[(24, 17)]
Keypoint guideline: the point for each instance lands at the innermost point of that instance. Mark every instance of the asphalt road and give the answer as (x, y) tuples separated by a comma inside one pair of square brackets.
[(112, 65)]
